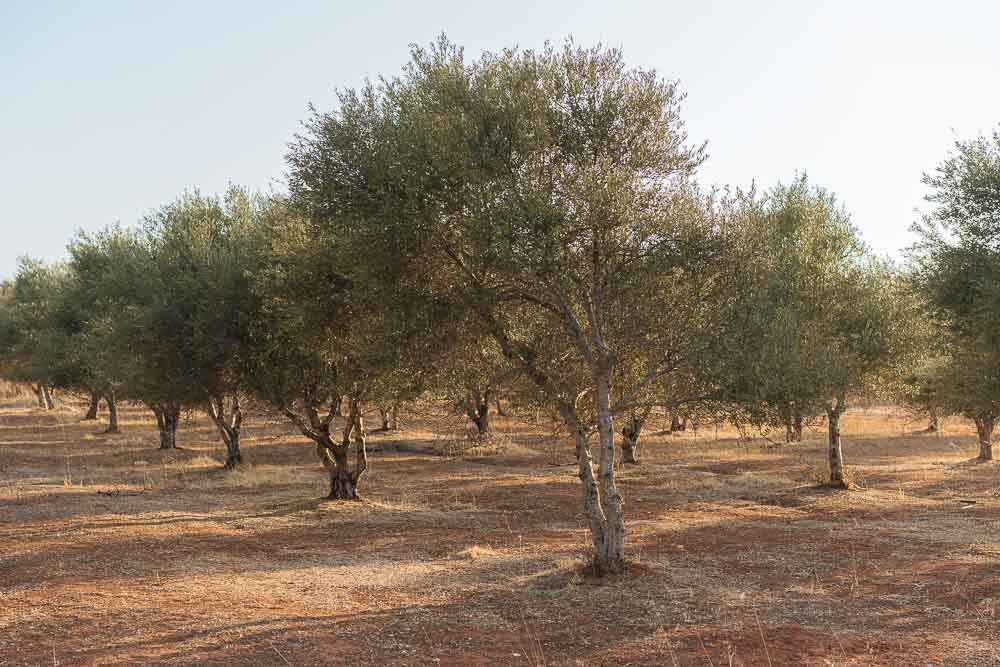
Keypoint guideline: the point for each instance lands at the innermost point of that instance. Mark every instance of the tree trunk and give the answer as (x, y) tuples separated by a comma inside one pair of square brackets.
[(229, 427), (833, 413), (630, 437), (499, 407), (984, 427), (933, 421), (109, 398), (394, 417), (477, 407), (44, 396), (343, 481), (384, 413), (675, 424), (95, 403), (793, 428), (167, 417), (342, 485), (611, 558)]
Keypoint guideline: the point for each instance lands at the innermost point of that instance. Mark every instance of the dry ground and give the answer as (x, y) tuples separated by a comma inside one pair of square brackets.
[(738, 558)]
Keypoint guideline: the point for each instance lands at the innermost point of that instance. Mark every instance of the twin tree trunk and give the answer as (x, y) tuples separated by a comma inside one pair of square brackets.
[(168, 416), (344, 481), (793, 428), (390, 417), (229, 426), (984, 427), (44, 395), (833, 413), (95, 402)]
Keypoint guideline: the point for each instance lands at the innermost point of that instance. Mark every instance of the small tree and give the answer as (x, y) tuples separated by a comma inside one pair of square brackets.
[(820, 321), (957, 265), (29, 353)]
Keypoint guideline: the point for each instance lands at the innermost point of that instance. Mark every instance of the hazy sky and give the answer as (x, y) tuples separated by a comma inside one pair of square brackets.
[(109, 109)]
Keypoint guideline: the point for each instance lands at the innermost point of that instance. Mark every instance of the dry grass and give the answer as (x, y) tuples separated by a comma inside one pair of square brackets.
[(114, 552)]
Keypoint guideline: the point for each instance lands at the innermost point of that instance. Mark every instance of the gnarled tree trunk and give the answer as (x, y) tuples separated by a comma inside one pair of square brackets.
[(477, 407), (344, 482), (833, 413), (109, 398), (630, 435), (168, 416), (229, 426), (984, 428)]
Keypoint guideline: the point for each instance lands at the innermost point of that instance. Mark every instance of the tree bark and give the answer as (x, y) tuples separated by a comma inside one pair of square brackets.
[(833, 413), (394, 417), (611, 559), (630, 436), (95, 403), (675, 424), (44, 395), (793, 428), (385, 412), (984, 427), (229, 427), (109, 398), (167, 418), (933, 421), (477, 407), (499, 407)]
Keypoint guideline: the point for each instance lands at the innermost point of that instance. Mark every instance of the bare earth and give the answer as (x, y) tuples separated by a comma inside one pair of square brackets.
[(738, 557)]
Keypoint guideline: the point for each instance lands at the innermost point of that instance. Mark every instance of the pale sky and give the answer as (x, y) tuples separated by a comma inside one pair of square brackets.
[(110, 109)]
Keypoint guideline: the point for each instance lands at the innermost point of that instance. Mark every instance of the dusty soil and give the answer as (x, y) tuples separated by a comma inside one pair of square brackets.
[(738, 557)]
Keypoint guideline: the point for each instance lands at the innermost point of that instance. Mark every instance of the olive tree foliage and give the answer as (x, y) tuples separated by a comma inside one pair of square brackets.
[(820, 322), (29, 352), (170, 302), (336, 318), (957, 266), (550, 194)]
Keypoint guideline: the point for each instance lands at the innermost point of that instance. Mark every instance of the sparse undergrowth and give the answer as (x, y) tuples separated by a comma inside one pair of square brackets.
[(115, 552)]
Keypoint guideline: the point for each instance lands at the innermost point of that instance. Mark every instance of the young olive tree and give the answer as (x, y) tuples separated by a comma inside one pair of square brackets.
[(129, 334), (820, 321), (957, 266), (29, 352), (550, 193), (333, 322)]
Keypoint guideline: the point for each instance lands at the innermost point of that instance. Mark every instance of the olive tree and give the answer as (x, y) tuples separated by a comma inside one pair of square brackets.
[(957, 266), (29, 353), (820, 321), (550, 192)]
